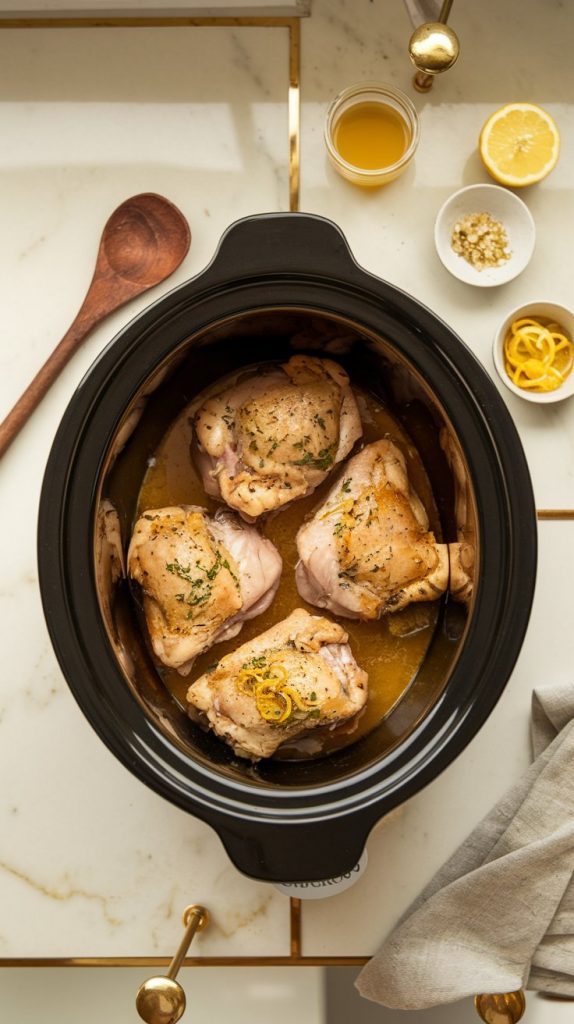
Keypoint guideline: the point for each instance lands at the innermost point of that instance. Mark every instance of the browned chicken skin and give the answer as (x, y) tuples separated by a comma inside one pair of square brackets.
[(368, 550), (298, 675), (201, 578), (275, 436)]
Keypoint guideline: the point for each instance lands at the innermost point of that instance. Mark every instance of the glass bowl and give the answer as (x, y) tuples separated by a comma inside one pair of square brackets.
[(371, 92)]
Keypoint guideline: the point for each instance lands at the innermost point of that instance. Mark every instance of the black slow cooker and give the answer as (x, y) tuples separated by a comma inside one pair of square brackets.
[(276, 284)]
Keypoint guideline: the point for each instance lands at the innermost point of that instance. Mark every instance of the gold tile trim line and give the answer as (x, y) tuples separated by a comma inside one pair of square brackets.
[(293, 107), (555, 513), (198, 961), (146, 21), (292, 24), (295, 927), (295, 959), (294, 113)]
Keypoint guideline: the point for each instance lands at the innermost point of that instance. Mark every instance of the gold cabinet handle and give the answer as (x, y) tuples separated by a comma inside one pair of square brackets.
[(501, 1008), (433, 48), (161, 1000)]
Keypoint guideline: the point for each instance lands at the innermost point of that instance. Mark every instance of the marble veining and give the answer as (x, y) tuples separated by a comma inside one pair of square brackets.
[(63, 892), (511, 52), (100, 864), (436, 820), (390, 230)]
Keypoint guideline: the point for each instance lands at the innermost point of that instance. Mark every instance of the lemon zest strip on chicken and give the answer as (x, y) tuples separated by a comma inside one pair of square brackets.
[(341, 506), (274, 697)]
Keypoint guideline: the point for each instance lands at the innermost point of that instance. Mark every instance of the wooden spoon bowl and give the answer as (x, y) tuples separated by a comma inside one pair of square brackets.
[(142, 243), (145, 239)]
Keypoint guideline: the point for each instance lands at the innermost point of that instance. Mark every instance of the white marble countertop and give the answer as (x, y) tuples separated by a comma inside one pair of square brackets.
[(92, 863)]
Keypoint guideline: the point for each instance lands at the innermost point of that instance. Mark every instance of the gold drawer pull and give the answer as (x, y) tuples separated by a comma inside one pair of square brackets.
[(501, 1008), (433, 48), (161, 1000)]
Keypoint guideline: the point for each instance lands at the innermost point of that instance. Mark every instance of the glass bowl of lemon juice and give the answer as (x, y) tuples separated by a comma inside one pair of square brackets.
[(371, 133)]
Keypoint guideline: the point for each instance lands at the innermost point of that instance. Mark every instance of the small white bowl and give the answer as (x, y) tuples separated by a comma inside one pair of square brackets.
[(505, 207), (563, 316)]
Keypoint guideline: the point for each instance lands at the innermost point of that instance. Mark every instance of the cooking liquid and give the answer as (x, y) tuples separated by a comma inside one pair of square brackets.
[(371, 135), (391, 660)]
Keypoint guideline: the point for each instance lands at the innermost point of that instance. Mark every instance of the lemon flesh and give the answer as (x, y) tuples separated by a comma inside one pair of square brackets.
[(519, 144)]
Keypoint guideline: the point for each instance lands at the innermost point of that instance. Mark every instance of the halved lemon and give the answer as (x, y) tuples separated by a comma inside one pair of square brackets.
[(519, 144)]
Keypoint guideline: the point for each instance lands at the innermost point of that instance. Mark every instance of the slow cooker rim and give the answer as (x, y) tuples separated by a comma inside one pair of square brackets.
[(132, 336), (322, 788)]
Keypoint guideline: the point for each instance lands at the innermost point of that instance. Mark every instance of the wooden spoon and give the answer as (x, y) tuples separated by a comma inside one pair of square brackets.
[(143, 242)]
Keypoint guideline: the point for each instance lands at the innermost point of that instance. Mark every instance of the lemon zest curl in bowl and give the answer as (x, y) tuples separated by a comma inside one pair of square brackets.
[(537, 357)]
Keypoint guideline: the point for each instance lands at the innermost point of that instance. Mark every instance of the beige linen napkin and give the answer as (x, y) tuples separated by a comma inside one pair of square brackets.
[(499, 915)]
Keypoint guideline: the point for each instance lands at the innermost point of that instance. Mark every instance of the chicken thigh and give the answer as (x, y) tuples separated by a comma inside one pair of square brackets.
[(201, 578), (368, 550), (274, 437), (298, 675)]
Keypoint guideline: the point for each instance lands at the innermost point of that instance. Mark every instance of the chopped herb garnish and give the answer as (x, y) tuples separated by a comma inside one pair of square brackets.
[(259, 662), (179, 570), (346, 485), (212, 573), (321, 461), (227, 566), (200, 586)]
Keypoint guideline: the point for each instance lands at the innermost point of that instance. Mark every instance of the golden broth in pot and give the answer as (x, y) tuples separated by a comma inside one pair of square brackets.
[(390, 650)]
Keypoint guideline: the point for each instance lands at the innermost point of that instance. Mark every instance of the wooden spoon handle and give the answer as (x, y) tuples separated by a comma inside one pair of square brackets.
[(143, 242), (34, 393)]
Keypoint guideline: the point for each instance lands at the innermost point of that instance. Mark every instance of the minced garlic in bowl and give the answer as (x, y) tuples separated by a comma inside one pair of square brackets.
[(481, 240)]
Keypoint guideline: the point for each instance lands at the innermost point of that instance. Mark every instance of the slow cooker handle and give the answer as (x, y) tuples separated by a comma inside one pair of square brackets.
[(282, 243), (302, 852)]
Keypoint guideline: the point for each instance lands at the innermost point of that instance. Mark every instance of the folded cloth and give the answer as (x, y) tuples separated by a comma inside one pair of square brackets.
[(423, 10), (499, 915)]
